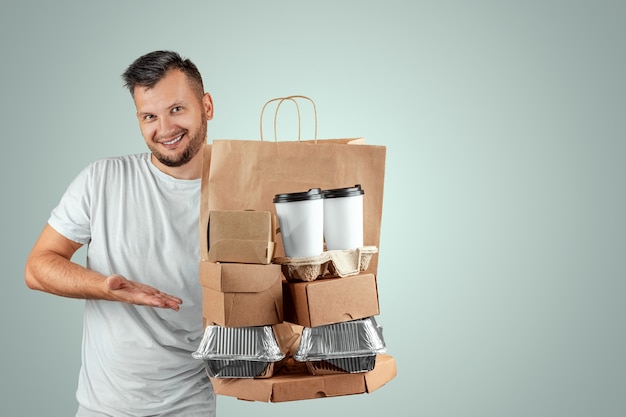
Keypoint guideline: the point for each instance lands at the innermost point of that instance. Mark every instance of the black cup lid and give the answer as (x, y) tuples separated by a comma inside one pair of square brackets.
[(312, 194), (344, 192)]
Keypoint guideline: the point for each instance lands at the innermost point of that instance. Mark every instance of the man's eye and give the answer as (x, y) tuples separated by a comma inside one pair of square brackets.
[(148, 117), (176, 109)]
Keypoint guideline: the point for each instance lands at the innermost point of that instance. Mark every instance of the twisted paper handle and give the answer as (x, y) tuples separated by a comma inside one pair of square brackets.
[(280, 101)]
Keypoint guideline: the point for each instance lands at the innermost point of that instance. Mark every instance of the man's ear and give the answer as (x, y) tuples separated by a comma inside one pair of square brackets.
[(207, 102)]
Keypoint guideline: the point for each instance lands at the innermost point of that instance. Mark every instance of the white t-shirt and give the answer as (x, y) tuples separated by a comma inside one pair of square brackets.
[(141, 223)]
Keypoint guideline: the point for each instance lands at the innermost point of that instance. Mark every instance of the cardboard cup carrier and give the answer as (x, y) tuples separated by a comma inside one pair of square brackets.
[(301, 220), (343, 218)]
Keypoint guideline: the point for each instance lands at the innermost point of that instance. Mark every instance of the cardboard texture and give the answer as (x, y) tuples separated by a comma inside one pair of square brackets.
[(293, 382), (333, 263), (330, 300), (240, 295), (204, 204), (246, 174), (288, 337), (242, 236)]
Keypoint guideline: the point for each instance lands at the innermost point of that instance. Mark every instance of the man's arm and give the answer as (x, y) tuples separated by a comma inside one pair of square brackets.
[(49, 268)]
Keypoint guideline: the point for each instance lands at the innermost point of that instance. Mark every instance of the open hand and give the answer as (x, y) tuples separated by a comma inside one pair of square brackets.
[(137, 293)]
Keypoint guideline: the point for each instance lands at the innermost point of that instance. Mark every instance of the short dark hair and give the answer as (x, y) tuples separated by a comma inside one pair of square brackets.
[(150, 68)]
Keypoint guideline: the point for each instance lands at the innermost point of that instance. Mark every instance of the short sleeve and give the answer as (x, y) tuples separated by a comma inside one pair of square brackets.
[(71, 217)]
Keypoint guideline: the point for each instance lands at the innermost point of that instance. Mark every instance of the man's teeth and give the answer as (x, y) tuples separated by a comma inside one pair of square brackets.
[(171, 142)]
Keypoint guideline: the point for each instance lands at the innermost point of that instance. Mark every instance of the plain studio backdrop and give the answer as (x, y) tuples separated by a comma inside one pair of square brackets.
[(501, 275)]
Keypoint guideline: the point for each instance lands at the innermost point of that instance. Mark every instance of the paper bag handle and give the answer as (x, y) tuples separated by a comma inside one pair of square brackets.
[(280, 101)]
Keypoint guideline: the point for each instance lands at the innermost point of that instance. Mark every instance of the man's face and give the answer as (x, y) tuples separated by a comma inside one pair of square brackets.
[(173, 119)]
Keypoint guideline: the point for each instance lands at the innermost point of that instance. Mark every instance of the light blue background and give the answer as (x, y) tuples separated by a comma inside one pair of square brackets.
[(502, 260)]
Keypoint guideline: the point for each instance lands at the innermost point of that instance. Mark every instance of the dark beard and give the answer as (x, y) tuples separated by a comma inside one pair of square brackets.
[(195, 144)]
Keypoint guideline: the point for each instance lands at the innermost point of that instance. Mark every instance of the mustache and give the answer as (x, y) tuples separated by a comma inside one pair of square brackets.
[(169, 135)]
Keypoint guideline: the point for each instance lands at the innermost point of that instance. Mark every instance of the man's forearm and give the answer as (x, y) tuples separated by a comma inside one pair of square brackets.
[(53, 273), (49, 268)]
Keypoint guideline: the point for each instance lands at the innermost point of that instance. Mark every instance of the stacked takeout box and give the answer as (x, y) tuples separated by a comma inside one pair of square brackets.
[(242, 296), (283, 329)]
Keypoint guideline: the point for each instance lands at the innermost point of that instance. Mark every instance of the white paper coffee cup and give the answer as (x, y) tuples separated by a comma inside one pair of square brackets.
[(301, 220), (343, 218)]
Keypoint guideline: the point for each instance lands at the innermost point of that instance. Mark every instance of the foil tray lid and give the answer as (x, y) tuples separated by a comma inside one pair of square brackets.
[(356, 338), (256, 343)]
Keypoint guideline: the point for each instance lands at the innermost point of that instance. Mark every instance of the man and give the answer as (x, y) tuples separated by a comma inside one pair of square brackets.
[(138, 214)]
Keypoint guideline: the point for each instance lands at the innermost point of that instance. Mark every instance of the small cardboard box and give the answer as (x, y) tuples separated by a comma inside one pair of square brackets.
[(240, 295), (293, 382), (330, 300), (243, 236)]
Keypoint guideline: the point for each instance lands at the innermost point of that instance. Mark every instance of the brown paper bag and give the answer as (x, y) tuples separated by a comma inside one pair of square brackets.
[(246, 174)]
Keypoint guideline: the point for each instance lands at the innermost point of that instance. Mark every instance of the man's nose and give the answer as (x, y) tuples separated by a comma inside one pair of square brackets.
[(165, 125)]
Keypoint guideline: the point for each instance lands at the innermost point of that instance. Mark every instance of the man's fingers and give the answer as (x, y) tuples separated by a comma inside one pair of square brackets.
[(175, 299), (167, 301)]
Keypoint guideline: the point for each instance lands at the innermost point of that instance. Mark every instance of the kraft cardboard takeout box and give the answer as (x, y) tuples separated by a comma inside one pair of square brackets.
[(330, 300), (294, 382), (240, 295), (243, 236)]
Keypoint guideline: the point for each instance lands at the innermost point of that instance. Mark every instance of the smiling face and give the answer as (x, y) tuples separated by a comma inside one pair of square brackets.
[(173, 121)]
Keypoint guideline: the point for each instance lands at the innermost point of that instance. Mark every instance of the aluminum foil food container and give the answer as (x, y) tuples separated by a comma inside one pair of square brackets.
[(341, 365), (235, 368), (351, 346), (239, 352), (334, 263)]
